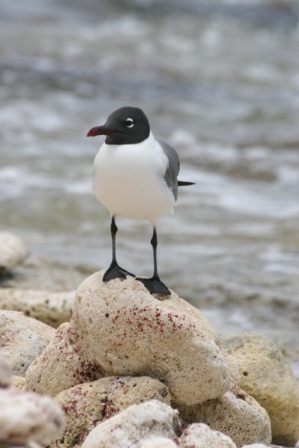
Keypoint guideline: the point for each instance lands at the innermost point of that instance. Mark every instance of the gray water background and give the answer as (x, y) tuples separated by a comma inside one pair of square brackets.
[(219, 80)]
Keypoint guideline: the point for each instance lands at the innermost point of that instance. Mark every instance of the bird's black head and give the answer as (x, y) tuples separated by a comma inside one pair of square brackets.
[(124, 126)]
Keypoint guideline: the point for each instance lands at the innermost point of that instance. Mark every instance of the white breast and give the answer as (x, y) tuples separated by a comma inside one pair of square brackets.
[(129, 180)]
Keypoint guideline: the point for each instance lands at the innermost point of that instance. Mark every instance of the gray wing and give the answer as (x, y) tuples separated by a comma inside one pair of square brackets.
[(173, 168)]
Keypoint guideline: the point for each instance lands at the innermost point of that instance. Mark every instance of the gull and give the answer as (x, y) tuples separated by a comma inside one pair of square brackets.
[(135, 176)]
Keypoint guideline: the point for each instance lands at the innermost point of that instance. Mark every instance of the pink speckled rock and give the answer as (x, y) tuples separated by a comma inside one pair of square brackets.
[(85, 405), (135, 426), (60, 366), (119, 329)]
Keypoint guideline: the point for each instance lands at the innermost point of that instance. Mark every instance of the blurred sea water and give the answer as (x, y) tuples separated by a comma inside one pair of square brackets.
[(219, 81)]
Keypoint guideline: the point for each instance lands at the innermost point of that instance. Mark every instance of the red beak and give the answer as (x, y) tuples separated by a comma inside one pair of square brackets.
[(98, 130)]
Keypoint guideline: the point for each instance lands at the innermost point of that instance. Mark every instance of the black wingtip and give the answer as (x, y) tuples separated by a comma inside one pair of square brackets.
[(181, 183)]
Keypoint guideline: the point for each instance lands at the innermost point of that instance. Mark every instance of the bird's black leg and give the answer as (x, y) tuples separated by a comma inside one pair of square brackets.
[(114, 271), (154, 284)]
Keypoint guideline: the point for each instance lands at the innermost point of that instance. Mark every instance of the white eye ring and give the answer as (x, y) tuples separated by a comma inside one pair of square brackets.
[(129, 122)]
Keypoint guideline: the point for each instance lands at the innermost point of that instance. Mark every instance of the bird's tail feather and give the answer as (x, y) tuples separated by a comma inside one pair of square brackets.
[(181, 183)]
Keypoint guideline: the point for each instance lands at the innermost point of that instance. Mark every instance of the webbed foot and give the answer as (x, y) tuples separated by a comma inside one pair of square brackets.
[(115, 271), (154, 285)]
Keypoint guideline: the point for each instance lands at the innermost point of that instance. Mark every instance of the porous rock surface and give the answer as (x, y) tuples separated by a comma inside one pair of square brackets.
[(85, 405), (199, 435), (157, 442), (18, 382), (22, 339), (52, 308), (234, 371), (60, 366), (25, 416), (267, 377), (12, 251), (5, 373), (257, 445), (134, 426), (238, 416), (118, 328)]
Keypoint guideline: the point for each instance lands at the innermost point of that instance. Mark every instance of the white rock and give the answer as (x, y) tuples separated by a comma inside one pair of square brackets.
[(12, 251), (52, 308), (199, 435), (118, 329), (22, 339), (134, 426), (25, 417), (157, 442), (257, 445)]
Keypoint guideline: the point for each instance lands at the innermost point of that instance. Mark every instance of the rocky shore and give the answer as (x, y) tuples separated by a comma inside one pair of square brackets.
[(110, 365)]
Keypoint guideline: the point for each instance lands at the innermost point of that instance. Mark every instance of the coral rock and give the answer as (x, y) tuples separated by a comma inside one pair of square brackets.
[(258, 445), (22, 339), (85, 405), (158, 442), (18, 382), (118, 329), (12, 251), (234, 371), (267, 377), (134, 426), (59, 367), (200, 435), (239, 417), (26, 417), (51, 308), (5, 373)]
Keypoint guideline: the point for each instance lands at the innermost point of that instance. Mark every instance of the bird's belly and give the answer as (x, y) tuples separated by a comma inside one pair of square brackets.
[(135, 194)]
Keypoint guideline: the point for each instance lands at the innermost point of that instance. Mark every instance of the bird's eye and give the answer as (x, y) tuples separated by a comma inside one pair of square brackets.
[(129, 122)]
